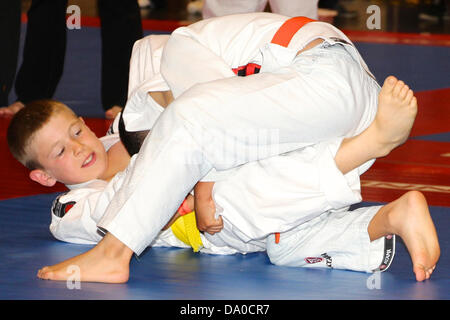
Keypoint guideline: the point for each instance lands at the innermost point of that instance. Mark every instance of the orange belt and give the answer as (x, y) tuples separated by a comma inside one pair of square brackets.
[(282, 37), (288, 29)]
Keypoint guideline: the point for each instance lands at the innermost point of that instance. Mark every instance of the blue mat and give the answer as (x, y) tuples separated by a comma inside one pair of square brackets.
[(421, 67), (440, 137), (170, 273)]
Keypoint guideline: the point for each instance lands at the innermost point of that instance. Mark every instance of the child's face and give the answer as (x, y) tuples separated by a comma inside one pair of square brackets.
[(68, 150)]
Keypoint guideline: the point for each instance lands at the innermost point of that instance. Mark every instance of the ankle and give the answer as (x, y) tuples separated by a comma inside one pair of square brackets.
[(379, 147), (113, 248)]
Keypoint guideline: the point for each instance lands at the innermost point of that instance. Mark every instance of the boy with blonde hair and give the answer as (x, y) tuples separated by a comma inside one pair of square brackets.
[(75, 154)]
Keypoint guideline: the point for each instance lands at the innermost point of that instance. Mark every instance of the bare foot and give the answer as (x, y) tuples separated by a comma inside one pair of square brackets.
[(112, 112), (397, 110), (11, 109), (414, 225), (107, 262)]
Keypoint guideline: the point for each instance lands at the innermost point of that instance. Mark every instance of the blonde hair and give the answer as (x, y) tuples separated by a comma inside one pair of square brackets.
[(26, 123)]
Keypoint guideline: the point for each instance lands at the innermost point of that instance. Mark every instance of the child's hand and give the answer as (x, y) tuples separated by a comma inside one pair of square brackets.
[(205, 209), (205, 214)]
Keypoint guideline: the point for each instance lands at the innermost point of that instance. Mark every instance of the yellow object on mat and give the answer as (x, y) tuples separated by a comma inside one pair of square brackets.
[(185, 229)]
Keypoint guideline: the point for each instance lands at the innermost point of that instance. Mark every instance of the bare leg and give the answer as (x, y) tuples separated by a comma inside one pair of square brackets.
[(410, 218), (107, 262)]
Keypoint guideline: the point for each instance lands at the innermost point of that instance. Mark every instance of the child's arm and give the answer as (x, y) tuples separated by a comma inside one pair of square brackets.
[(205, 208)]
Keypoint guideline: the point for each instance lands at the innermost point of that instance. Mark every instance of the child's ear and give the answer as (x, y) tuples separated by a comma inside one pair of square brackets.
[(42, 178)]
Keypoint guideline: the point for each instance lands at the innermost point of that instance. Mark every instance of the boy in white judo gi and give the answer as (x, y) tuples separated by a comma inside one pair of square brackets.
[(176, 140)]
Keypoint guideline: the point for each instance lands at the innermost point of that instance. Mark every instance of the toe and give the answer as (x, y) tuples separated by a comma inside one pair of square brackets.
[(430, 270), (404, 92), (409, 96), (389, 84), (398, 88), (420, 273), (41, 273), (413, 103)]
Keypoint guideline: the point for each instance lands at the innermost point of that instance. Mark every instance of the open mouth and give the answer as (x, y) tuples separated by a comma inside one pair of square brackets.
[(89, 160)]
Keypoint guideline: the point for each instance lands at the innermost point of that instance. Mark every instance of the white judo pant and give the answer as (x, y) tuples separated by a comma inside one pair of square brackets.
[(324, 93), (337, 240)]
